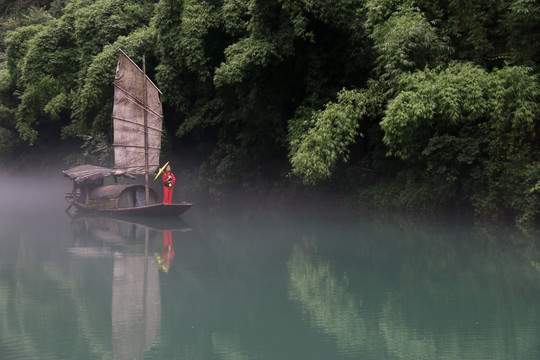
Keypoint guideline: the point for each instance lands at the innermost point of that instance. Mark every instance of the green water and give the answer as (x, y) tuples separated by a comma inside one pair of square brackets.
[(255, 282)]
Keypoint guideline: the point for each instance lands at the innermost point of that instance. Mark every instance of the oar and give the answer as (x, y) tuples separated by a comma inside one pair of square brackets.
[(161, 170)]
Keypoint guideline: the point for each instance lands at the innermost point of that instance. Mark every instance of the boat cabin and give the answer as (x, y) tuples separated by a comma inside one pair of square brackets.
[(89, 189)]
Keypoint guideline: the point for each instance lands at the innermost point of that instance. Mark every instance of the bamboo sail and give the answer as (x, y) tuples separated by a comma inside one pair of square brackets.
[(129, 119), (137, 123)]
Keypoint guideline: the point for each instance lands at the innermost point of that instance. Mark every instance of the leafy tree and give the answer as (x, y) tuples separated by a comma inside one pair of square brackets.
[(318, 145), (469, 127), (436, 100), (92, 106), (407, 41), (48, 63), (242, 68), (519, 26)]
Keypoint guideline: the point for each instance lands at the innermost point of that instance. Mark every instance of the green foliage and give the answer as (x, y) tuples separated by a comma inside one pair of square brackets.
[(243, 58), (469, 26), (337, 85), (16, 47), (33, 102), (407, 41), (339, 13), (51, 52), (315, 152), (262, 60), (519, 25), (235, 16), (48, 63), (378, 11), (197, 20), (433, 103), (500, 107), (47, 73), (269, 42), (95, 91), (502, 189), (7, 117), (227, 165), (182, 30), (514, 93), (5, 83), (101, 22), (408, 190), (32, 16), (57, 104), (97, 150), (474, 128)]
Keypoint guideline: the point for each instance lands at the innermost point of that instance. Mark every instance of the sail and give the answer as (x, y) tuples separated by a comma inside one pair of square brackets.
[(128, 118)]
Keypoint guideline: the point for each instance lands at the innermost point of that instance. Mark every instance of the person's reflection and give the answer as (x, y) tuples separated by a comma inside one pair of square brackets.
[(165, 260)]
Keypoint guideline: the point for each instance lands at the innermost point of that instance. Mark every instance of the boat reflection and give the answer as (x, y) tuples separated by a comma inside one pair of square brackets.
[(136, 300), (136, 304)]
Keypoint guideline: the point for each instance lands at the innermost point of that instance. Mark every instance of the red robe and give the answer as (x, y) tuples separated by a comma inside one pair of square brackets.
[(168, 187)]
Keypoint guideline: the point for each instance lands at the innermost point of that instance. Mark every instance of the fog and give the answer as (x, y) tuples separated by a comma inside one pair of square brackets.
[(33, 193), (253, 281), (39, 194)]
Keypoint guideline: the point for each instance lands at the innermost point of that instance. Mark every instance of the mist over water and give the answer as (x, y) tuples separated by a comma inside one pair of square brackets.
[(257, 282)]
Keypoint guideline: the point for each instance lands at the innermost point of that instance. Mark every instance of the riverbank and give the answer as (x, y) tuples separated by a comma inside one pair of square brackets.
[(371, 198), (359, 193)]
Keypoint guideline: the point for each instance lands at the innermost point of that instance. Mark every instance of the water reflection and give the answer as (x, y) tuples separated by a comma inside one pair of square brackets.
[(424, 295), (136, 305), (228, 347), (50, 302), (265, 285), (165, 260), (326, 301), (136, 299)]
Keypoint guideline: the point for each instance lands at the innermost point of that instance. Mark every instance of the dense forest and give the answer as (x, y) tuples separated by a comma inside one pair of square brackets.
[(403, 104)]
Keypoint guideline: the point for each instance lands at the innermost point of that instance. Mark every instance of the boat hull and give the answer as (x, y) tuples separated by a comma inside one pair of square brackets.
[(147, 210)]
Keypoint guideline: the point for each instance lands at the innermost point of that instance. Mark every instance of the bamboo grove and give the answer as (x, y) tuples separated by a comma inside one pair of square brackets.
[(400, 104)]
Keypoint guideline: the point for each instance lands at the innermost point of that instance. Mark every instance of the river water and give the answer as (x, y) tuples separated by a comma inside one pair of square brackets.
[(259, 282)]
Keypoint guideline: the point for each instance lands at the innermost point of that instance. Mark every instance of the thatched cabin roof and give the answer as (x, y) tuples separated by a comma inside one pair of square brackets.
[(83, 173)]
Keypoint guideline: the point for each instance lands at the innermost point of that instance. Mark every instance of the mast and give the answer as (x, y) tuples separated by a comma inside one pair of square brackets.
[(146, 190)]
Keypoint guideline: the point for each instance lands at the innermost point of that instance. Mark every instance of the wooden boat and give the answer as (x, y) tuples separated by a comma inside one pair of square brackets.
[(137, 123)]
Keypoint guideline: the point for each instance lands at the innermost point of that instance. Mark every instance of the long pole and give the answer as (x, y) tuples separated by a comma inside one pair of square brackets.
[(147, 191)]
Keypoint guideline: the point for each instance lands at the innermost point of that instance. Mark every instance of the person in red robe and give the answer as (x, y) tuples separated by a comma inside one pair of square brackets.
[(168, 184)]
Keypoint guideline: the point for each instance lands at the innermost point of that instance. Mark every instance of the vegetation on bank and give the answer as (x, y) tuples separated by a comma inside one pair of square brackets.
[(397, 104)]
